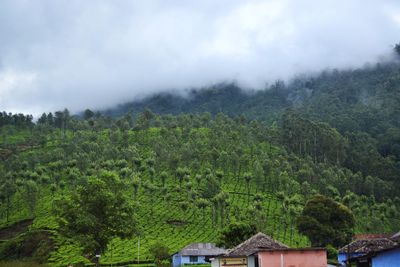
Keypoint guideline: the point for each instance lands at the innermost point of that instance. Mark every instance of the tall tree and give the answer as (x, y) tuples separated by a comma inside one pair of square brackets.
[(97, 212), (325, 221)]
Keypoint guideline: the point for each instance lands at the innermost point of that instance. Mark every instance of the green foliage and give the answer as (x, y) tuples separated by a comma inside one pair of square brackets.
[(18, 120), (332, 252), (97, 212), (325, 222), (235, 233), (211, 187), (160, 254)]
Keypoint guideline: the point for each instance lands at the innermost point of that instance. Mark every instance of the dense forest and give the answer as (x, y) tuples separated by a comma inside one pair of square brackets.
[(182, 169)]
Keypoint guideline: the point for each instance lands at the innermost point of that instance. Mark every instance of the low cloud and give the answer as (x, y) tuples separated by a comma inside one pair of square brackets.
[(96, 54)]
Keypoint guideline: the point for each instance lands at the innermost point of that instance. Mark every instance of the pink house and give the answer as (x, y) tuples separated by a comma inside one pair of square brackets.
[(261, 250), (292, 257)]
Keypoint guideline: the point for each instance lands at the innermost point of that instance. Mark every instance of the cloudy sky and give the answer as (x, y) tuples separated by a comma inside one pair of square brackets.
[(94, 54)]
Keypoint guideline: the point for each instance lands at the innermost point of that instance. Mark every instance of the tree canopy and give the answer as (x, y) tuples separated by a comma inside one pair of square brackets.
[(235, 233), (326, 221), (97, 212)]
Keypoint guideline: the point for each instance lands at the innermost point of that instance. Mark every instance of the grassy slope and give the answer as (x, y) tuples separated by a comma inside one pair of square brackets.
[(154, 226)]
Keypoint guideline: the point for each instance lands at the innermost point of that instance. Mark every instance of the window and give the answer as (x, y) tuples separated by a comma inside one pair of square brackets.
[(193, 258)]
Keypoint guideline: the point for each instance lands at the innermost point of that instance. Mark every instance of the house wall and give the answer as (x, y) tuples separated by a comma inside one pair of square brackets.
[(179, 260), (251, 261), (176, 260), (233, 262), (236, 262), (342, 257), (186, 260), (387, 259), (305, 258), (215, 262)]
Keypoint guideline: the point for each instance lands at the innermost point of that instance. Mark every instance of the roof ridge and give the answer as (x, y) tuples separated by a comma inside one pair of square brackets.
[(247, 244), (248, 240)]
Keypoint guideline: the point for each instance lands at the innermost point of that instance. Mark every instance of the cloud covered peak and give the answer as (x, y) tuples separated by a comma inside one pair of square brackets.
[(95, 54)]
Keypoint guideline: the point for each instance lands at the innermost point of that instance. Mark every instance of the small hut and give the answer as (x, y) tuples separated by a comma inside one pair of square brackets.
[(380, 258), (363, 247), (261, 250), (196, 253), (244, 254)]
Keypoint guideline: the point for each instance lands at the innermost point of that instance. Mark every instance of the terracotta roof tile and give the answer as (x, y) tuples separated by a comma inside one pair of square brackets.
[(253, 244)]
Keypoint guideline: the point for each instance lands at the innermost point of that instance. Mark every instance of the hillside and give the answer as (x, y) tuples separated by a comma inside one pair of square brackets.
[(188, 176), (361, 104)]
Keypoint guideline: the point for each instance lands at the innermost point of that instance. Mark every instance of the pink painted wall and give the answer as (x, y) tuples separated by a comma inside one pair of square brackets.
[(305, 258)]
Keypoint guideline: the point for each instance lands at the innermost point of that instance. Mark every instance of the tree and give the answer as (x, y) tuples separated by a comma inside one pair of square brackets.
[(325, 221), (31, 190), (42, 119), (160, 254), (97, 212), (211, 188), (222, 202), (202, 204), (235, 233), (247, 178), (163, 177), (88, 114), (397, 48), (135, 184), (7, 190)]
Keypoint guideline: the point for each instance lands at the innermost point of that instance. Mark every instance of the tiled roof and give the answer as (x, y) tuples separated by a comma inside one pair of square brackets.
[(396, 237), (253, 244), (201, 249), (368, 245)]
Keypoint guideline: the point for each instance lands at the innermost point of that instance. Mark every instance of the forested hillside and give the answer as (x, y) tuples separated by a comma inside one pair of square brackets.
[(187, 177), (360, 108)]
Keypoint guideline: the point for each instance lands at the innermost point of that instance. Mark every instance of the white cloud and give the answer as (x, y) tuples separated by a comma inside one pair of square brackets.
[(96, 54)]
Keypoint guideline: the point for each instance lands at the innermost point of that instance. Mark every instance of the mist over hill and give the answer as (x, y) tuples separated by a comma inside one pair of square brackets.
[(361, 104), (328, 96), (75, 55)]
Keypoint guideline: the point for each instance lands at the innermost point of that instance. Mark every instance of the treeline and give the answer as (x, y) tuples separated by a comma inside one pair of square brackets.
[(18, 120)]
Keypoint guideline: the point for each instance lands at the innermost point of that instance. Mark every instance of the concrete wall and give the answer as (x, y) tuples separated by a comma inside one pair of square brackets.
[(389, 258), (294, 258)]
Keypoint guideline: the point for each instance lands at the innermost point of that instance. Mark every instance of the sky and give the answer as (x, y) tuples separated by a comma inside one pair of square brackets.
[(98, 53)]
